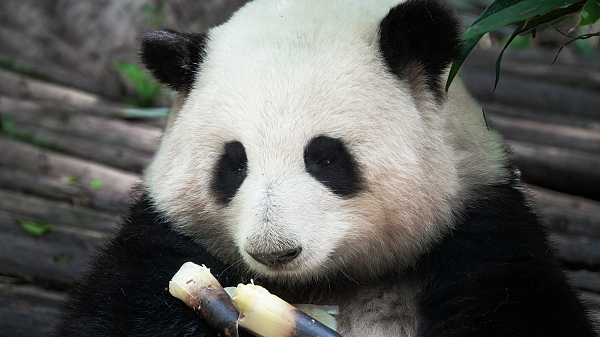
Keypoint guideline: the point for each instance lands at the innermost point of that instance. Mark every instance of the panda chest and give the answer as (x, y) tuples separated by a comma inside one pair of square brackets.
[(380, 310), (387, 308)]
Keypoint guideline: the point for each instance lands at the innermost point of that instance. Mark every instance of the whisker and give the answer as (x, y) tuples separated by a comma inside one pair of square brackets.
[(230, 266)]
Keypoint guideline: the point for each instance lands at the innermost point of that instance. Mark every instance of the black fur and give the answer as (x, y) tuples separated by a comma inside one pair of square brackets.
[(495, 275), (421, 33), (230, 172), (173, 58), (329, 161), (125, 292)]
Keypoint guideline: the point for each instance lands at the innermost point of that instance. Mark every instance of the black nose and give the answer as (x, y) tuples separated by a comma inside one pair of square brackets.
[(276, 258)]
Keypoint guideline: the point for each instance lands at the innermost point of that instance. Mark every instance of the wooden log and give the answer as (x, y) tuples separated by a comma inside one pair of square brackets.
[(585, 280), (45, 163), (71, 122), (48, 187), (54, 265), (27, 310), (113, 155), (551, 134), (32, 94), (15, 288), (20, 317), (592, 301), (534, 94), (570, 171), (567, 214), (540, 115), (16, 206), (579, 72), (577, 251), (58, 189), (56, 257), (16, 85), (75, 236)]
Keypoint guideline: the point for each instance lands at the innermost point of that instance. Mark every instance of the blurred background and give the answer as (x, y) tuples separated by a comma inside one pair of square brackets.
[(80, 120)]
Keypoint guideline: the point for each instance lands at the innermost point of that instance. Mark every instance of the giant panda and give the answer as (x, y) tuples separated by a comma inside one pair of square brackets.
[(312, 148)]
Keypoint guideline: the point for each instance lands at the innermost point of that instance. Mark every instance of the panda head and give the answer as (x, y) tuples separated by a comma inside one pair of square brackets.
[(313, 138)]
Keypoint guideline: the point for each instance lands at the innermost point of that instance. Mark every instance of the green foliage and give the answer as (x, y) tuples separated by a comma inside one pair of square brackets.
[(41, 141), (96, 184), (519, 42), (512, 14), (63, 258), (578, 39), (73, 178), (590, 13), (535, 22), (145, 86), (17, 67), (10, 130), (585, 46), (469, 44), (533, 14), (36, 228), (155, 15)]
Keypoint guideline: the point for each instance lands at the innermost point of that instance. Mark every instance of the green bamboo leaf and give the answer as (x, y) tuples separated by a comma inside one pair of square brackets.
[(467, 48), (63, 258), (146, 87), (535, 23), (518, 12), (96, 184), (590, 13), (499, 59), (37, 228), (469, 44), (581, 37)]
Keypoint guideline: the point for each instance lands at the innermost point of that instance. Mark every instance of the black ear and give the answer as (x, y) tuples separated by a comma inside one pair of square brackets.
[(172, 57), (421, 35)]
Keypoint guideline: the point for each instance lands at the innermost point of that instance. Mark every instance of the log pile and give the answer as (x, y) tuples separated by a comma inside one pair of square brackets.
[(68, 160)]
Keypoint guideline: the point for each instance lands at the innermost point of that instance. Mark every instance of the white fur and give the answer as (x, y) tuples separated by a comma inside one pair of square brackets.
[(276, 75)]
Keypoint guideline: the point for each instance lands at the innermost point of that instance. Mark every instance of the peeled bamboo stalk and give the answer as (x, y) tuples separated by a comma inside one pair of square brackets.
[(268, 315), (251, 306), (200, 290)]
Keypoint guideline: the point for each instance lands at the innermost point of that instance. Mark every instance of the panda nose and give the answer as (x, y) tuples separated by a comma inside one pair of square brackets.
[(276, 258)]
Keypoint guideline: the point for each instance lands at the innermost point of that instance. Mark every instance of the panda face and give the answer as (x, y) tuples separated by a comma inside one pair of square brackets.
[(297, 152), (279, 216), (296, 185)]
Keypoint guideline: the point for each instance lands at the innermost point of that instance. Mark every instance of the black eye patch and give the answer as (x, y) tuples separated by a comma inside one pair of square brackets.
[(328, 161), (230, 172)]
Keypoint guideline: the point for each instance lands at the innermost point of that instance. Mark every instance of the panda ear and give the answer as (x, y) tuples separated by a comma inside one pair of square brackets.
[(420, 38), (172, 57)]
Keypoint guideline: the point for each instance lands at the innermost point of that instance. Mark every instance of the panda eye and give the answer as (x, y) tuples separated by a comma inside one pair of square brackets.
[(318, 161), (328, 161), (230, 172)]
